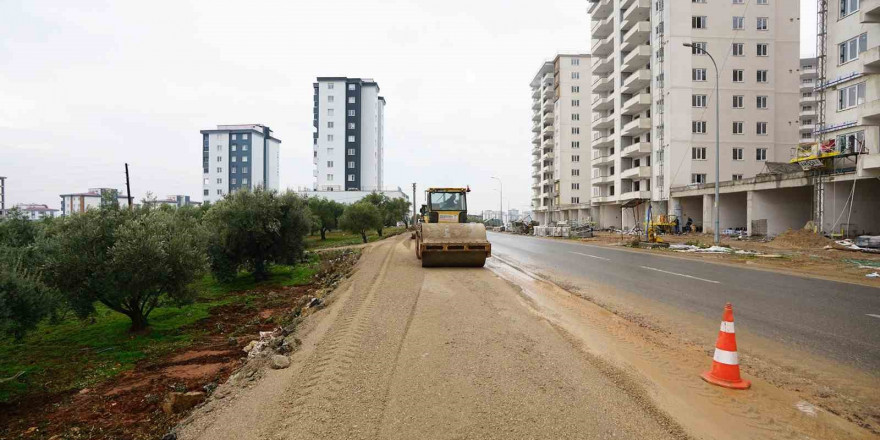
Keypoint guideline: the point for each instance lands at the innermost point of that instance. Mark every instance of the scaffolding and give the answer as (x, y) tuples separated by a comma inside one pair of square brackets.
[(819, 90)]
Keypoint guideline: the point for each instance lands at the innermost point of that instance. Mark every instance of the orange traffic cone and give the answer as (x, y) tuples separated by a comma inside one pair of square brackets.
[(725, 363)]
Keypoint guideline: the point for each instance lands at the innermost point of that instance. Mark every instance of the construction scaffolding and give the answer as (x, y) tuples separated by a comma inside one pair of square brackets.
[(818, 180)]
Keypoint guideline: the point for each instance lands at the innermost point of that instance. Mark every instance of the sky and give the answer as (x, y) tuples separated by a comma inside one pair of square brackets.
[(87, 86)]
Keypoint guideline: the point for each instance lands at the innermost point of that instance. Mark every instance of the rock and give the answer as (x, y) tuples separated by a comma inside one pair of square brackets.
[(177, 402), (210, 387), (84, 391), (170, 436), (250, 346), (280, 362), (314, 302)]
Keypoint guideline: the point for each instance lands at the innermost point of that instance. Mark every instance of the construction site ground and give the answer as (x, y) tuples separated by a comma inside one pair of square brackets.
[(499, 352), (798, 252)]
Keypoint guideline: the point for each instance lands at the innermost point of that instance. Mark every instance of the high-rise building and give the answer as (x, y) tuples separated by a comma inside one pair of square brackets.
[(658, 97), (561, 122), (238, 157), (349, 120), (808, 113)]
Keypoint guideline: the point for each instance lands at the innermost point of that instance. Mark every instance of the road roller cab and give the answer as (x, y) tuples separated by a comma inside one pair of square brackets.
[(443, 235)]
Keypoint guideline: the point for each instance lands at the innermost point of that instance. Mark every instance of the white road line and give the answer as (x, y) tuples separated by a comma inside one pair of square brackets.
[(872, 315), (681, 274), (591, 256)]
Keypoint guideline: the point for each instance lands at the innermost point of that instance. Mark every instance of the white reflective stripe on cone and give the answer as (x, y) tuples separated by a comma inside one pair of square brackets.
[(726, 357), (727, 327)]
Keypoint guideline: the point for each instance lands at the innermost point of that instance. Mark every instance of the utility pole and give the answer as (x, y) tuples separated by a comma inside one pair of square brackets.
[(500, 201), (414, 205), (127, 186), (2, 195)]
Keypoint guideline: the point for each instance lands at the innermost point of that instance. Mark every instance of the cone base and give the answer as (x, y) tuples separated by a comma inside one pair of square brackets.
[(742, 384)]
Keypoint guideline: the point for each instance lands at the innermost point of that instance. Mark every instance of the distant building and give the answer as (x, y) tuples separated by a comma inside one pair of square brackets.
[(349, 197), (348, 142), (807, 115), (513, 215), (177, 201), (35, 211), (238, 157), (80, 202)]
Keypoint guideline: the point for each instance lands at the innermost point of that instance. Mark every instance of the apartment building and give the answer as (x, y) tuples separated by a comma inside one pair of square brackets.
[(236, 157), (174, 201), (349, 140), (560, 144), (656, 101), (808, 115), (93, 198), (34, 211), (852, 76)]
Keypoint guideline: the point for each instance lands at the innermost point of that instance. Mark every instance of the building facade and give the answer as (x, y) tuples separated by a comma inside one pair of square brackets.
[(35, 211), (655, 98), (349, 140), (93, 198), (175, 201), (808, 113), (561, 127), (238, 157)]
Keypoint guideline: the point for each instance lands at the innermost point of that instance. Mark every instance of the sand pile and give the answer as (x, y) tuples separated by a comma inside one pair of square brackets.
[(800, 239)]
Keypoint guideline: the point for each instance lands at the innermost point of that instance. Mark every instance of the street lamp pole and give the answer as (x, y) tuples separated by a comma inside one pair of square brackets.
[(717, 141), (500, 200)]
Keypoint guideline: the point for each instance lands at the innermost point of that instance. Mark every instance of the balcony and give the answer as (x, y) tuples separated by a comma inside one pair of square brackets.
[(600, 9), (637, 127), (869, 112), (603, 28), (636, 81), (601, 103), (636, 173), (548, 131), (808, 86), (638, 35), (603, 84), (809, 100), (870, 11), (603, 47), (603, 122), (871, 60), (547, 157), (636, 104), (547, 119), (639, 149), (602, 160), (547, 105), (595, 200), (640, 10), (602, 180), (807, 128), (603, 141), (536, 151), (603, 65), (548, 92), (807, 114), (536, 92), (809, 73), (635, 195), (636, 59)]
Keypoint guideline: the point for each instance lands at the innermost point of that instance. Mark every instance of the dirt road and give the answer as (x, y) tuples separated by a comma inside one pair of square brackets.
[(405, 352)]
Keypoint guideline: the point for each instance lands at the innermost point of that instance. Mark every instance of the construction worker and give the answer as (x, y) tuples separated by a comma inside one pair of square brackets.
[(677, 226), (687, 226)]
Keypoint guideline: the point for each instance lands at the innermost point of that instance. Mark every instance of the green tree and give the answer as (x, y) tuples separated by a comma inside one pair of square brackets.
[(250, 230), (397, 209), (326, 214), (16, 230), (128, 260), (361, 217), (24, 299), (380, 201)]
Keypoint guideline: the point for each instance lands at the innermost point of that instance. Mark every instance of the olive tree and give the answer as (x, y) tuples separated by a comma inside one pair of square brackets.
[(326, 214), (361, 217)]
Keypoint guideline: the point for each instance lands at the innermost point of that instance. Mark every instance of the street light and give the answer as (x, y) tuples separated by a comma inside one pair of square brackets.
[(717, 139), (500, 201)]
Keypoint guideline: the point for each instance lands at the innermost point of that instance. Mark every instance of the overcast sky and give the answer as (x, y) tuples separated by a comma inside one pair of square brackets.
[(86, 86)]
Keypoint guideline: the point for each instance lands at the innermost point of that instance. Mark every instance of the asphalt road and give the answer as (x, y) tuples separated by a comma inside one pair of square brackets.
[(837, 320)]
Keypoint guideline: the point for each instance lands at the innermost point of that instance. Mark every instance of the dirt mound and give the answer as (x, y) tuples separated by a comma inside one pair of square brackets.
[(800, 239)]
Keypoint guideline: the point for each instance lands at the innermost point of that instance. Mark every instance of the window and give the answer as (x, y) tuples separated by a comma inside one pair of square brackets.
[(575, 117), (329, 164), (851, 142), (738, 49), (234, 147), (575, 200), (244, 181), (698, 178), (219, 158), (329, 138), (762, 76), (575, 89), (698, 101), (736, 177), (330, 86), (761, 102), (351, 125), (737, 2), (575, 144), (233, 181), (329, 177), (207, 181), (850, 49), (330, 124), (737, 127), (575, 75), (575, 103), (234, 137), (244, 159), (763, 2), (206, 192), (761, 128), (761, 154), (738, 101), (762, 23), (698, 74), (219, 169), (352, 87), (233, 170), (219, 192), (849, 97), (575, 158), (698, 127), (698, 153), (611, 190), (331, 98), (575, 130), (351, 151), (351, 164), (575, 62), (233, 159), (737, 75), (329, 151), (698, 48), (329, 112), (219, 147), (351, 138), (351, 100), (351, 177), (762, 49), (848, 7), (698, 1), (738, 23), (698, 22), (219, 180), (737, 154), (575, 186)]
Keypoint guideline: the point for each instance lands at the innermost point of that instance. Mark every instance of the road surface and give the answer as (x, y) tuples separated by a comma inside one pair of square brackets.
[(836, 320)]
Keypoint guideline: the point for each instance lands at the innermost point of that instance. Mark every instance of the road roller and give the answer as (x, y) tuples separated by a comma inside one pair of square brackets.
[(444, 238)]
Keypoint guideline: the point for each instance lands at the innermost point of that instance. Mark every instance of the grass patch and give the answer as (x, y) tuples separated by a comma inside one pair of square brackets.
[(343, 238), (79, 353)]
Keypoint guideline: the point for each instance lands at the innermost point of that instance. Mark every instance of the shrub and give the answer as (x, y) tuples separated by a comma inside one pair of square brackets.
[(326, 214), (24, 299), (360, 218)]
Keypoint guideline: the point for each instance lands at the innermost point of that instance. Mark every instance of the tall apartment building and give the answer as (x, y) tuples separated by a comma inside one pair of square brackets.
[(808, 113), (852, 76), (349, 138), (560, 142), (655, 98), (238, 157)]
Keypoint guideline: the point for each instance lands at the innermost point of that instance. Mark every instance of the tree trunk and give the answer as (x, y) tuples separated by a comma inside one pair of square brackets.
[(138, 321), (260, 271), (364, 236), (379, 231), (323, 234)]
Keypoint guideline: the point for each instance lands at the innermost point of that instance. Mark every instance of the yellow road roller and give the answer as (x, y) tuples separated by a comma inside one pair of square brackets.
[(444, 238)]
